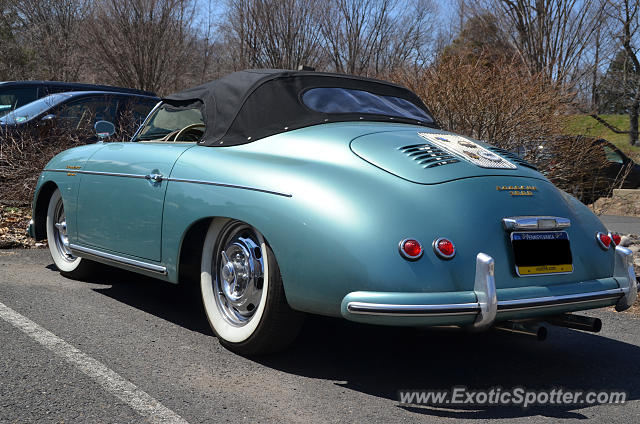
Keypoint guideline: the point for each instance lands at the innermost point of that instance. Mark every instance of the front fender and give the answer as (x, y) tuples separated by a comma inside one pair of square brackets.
[(59, 173)]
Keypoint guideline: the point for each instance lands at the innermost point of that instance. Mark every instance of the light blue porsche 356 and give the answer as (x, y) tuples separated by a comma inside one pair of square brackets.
[(285, 193)]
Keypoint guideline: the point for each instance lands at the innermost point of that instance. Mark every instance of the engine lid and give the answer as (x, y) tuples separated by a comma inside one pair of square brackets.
[(431, 156)]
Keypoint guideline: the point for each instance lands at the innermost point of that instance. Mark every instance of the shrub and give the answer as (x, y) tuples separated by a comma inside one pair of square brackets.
[(496, 100), (22, 157)]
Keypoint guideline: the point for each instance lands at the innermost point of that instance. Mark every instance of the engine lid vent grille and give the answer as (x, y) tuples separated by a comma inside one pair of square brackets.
[(467, 150), (428, 155), (512, 157)]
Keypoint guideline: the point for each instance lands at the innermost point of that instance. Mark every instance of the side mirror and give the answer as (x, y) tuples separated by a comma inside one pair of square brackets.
[(104, 129)]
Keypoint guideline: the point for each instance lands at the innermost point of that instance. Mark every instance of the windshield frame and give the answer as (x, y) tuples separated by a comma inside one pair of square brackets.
[(134, 138), (152, 113)]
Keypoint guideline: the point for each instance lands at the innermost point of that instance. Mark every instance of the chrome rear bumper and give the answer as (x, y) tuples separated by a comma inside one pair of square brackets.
[(487, 306)]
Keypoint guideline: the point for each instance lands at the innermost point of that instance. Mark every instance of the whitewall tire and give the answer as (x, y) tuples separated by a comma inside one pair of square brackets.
[(58, 241), (242, 290)]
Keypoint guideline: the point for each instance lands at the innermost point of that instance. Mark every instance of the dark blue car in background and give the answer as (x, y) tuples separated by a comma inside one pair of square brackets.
[(77, 112), (14, 94)]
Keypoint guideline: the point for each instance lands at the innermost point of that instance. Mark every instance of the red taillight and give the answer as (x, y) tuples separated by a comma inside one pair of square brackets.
[(604, 240), (411, 249), (444, 248), (616, 239)]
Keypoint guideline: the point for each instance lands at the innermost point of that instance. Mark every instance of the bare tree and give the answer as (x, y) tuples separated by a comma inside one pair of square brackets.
[(207, 45), (273, 33), (619, 90), (146, 44), (371, 37), (551, 36), (14, 61), (51, 29), (626, 14)]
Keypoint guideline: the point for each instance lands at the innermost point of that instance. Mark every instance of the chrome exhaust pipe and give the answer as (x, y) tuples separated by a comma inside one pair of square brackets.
[(577, 322), (523, 328)]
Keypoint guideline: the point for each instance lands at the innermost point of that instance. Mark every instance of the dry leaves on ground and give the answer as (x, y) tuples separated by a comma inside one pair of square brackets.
[(13, 228)]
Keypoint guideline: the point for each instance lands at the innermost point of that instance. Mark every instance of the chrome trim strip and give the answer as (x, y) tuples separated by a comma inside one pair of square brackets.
[(177, 180), (185, 180), (110, 174), (86, 251), (535, 223), (485, 290), (624, 272), (551, 301), (365, 308)]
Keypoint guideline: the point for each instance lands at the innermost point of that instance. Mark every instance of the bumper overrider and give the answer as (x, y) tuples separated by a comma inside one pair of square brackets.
[(485, 305), (31, 230)]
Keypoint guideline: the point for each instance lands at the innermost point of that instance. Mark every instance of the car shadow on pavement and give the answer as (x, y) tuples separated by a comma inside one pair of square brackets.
[(380, 361), (178, 304)]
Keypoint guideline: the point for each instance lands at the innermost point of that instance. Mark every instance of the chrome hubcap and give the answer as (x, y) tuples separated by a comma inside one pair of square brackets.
[(239, 276), (61, 239)]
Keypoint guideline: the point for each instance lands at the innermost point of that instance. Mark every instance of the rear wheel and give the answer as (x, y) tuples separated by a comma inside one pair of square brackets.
[(69, 265), (242, 291)]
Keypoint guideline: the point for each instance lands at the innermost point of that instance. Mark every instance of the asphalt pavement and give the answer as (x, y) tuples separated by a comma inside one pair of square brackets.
[(622, 224), (121, 348)]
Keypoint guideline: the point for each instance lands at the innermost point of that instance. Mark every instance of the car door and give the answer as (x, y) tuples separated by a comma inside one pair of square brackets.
[(121, 195), (82, 113)]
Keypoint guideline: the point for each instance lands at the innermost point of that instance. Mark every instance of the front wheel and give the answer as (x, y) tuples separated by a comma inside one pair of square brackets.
[(69, 265), (242, 291)]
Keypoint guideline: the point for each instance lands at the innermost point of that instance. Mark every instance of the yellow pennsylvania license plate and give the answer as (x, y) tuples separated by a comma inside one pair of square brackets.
[(544, 269), (541, 252)]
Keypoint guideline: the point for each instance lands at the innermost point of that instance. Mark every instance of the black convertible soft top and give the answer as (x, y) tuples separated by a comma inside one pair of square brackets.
[(248, 105)]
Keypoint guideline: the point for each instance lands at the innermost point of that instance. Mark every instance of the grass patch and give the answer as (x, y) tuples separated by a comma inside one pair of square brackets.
[(586, 125), (11, 209)]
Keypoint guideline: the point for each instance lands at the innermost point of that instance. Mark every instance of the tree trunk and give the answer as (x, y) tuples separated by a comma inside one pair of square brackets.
[(633, 122), (594, 81)]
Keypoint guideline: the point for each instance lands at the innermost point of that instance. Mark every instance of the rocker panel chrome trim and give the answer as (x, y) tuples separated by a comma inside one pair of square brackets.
[(109, 257)]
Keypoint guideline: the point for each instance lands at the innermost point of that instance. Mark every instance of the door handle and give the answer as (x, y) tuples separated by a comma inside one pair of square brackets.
[(155, 178)]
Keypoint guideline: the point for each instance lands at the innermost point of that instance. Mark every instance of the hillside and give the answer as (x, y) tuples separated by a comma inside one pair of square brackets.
[(586, 125)]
